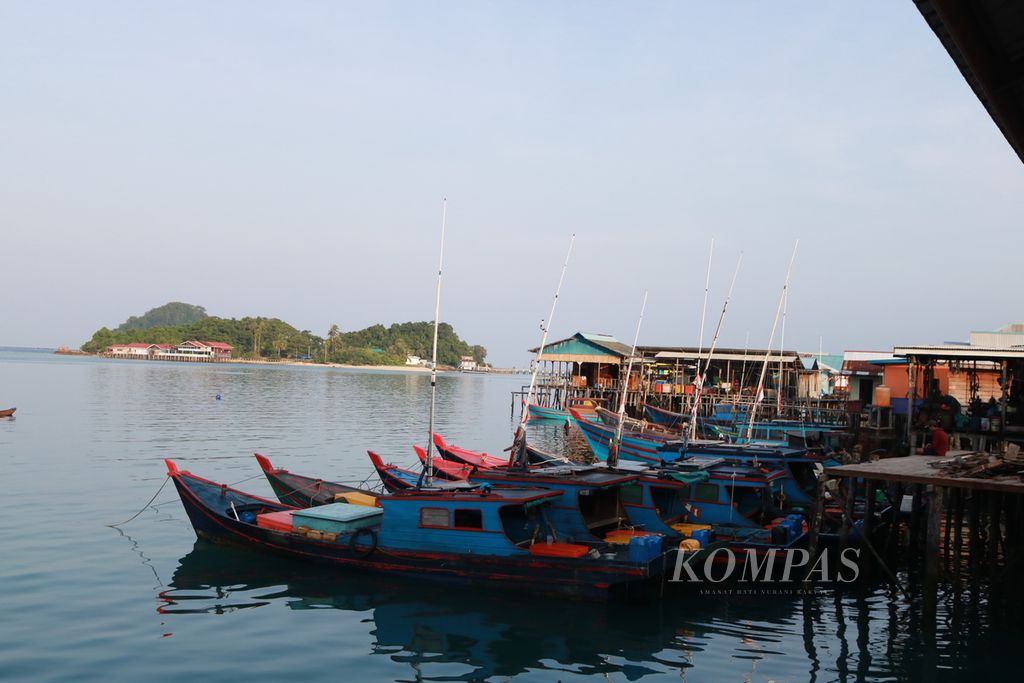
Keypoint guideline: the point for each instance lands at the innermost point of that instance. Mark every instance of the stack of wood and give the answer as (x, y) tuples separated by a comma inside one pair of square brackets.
[(966, 464)]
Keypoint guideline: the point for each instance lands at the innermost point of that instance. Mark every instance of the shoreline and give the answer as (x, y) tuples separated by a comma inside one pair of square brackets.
[(414, 369)]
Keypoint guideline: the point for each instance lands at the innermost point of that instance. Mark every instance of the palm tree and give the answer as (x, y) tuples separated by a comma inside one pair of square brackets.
[(332, 338)]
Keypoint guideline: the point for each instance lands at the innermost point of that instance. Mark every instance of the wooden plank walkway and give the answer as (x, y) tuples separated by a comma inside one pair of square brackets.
[(915, 469)]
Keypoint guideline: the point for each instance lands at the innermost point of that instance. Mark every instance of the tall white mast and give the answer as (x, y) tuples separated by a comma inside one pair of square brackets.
[(711, 351), (428, 472), (519, 438), (613, 447), (768, 352), (782, 347), (703, 316)]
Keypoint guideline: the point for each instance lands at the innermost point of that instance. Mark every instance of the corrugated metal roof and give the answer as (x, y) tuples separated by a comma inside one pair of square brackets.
[(946, 351)]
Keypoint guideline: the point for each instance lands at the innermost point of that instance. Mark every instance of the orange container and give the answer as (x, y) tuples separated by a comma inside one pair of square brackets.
[(622, 536), (558, 550), (278, 521)]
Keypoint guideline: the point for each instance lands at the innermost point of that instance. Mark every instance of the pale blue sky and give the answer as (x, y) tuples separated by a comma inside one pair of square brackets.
[(289, 160)]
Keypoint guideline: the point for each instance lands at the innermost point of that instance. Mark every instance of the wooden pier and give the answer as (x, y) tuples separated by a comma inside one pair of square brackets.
[(957, 527)]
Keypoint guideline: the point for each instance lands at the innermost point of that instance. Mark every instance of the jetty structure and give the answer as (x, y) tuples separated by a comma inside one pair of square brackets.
[(193, 351), (588, 365)]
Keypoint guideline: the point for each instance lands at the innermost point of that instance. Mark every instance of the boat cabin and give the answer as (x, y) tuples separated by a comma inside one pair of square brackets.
[(485, 521), (589, 499)]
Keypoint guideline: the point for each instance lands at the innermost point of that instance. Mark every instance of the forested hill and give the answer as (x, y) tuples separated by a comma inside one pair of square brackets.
[(168, 315), (274, 338)]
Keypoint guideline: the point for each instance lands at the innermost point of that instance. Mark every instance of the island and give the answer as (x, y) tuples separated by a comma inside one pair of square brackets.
[(177, 329)]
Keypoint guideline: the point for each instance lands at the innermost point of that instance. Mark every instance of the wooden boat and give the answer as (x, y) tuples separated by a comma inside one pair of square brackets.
[(393, 477), (538, 412), (465, 456), (665, 418), (9, 412), (587, 407), (295, 489), (799, 465), (445, 469), (481, 537)]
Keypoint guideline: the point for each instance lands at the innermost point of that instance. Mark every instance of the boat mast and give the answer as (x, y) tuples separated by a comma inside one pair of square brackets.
[(703, 316), (613, 447), (711, 350), (743, 371), (428, 471), (782, 347), (519, 440), (759, 396)]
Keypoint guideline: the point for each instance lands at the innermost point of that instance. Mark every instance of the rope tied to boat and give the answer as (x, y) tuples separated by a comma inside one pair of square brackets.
[(166, 479)]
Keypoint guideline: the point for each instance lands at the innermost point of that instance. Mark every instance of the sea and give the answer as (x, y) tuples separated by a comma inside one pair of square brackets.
[(102, 577)]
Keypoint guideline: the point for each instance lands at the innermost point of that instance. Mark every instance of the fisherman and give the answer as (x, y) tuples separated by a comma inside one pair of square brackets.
[(938, 440)]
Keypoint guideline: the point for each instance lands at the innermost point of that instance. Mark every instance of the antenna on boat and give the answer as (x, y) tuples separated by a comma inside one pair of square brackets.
[(711, 351), (768, 352), (703, 316), (519, 440), (782, 346), (428, 468), (613, 447)]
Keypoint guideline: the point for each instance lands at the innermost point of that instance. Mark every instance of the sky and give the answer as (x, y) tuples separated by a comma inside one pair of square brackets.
[(289, 160)]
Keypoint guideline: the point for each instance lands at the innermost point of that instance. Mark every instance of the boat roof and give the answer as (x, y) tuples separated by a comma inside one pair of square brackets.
[(575, 475), (475, 495), (727, 449)]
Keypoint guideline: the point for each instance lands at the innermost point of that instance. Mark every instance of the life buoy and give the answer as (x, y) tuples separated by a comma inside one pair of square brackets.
[(354, 538)]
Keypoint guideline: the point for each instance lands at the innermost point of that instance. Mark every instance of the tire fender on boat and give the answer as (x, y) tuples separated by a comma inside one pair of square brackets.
[(354, 538)]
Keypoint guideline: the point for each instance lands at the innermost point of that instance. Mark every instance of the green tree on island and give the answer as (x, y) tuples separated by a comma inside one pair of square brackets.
[(260, 337)]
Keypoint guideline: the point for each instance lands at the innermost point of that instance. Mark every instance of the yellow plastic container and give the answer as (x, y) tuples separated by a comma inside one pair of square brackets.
[(686, 529), (623, 536), (354, 498)]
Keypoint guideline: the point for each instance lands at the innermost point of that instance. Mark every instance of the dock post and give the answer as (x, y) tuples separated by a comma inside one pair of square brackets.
[(815, 531), (910, 405), (958, 524), (931, 555), (934, 500)]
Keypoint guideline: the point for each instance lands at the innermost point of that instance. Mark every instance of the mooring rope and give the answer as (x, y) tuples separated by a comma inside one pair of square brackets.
[(166, 479)]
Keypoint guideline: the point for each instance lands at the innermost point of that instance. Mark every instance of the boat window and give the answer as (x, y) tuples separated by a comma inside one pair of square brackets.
[(434, 517), (469, 519), (705, 493), (633, 494)]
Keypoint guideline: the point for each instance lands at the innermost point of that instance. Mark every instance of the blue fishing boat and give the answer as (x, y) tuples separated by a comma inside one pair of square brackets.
[(799, 465), (666, 418), (487, 537), (586, 407), (538, 412), (589, 503), (639, 446)]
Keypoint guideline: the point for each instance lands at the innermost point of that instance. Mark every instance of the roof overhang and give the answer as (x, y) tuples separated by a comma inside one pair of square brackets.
[(946, 352), (694, 355), (985, 39)]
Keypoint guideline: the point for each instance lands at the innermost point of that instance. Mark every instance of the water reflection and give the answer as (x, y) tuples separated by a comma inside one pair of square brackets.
[(492, 634)]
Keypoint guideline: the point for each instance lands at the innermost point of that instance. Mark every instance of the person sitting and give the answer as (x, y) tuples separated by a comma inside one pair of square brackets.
[(938, 443)]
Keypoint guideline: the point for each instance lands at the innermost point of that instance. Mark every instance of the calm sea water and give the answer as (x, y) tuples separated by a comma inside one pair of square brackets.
[(80, 601)]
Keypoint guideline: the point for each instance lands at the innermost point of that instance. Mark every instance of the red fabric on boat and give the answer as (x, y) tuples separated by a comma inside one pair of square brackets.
[(558, 550), (278, 521)]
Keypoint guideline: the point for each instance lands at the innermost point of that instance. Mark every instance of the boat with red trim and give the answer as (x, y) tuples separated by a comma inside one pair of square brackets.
[(489, 537), (465, 456), (302, 491)]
